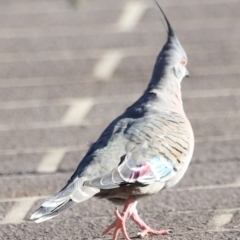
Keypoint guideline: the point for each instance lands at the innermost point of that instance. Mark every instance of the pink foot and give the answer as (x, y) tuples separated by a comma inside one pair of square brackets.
[(150, 231), (119, 225), (130, 210), (146, 229)]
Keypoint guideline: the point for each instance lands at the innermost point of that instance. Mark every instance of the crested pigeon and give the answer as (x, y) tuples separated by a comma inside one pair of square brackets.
[(143, 151)]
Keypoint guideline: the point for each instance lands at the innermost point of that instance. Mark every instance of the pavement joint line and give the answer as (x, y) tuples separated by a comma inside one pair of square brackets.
[(32, 32), (74, 54), (106, 66), (18, 211), (66, 31), (97, 122), (131, 15), (190, 188), (127, 21), (36, 198), (34, 175), (71, 54), (22, 205), (205, 2), (38, 103), (207, 187), (220, 220), (182, 233), (33, 8), (38, 84), (207, 115), (225, 92), (40, 197), (194, 23), (37, 125), (45, 81), (51, 161), (20, 199), (222, 138), (215, 115), (223, 210), (211, 93), (212, 70), (46, 56), (42, 150), (77, 111), (80, 110)]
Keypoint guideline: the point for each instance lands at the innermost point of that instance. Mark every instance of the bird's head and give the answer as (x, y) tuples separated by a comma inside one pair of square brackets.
[(172, 60)]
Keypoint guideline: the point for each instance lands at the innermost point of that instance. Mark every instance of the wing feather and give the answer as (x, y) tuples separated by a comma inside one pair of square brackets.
[(157, 153)]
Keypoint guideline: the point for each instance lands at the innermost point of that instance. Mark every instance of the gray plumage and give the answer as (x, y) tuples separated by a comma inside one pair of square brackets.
[(144, 150)]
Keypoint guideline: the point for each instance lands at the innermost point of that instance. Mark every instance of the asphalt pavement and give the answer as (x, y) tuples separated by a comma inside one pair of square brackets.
[(68, 68)]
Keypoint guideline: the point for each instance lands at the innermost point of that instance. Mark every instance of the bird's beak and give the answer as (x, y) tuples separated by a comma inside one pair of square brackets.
[(187, 73)]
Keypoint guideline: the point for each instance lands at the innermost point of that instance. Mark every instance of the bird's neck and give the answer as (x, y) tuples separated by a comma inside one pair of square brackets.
[(168, 92)]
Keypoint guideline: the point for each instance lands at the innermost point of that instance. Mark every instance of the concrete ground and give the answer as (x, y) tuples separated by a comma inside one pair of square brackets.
[(66, 71)]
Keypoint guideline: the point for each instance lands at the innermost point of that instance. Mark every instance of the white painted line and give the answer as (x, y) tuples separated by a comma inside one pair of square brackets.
[(51, 161), (237, 182), (77, 111), (18, 211), (220, 220), (107, 64), (131, 15)]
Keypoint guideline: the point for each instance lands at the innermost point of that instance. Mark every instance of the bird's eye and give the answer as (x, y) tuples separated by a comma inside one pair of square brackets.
[(183, 61)]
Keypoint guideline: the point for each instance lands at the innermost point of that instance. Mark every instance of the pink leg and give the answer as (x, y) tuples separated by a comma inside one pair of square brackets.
[(119, 223), (146, 229)]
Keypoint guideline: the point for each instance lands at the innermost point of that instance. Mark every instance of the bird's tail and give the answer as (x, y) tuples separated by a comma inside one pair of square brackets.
[(73, 193)]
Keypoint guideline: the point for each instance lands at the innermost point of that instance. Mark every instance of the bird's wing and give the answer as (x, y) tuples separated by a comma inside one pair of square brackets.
[(156, 150)]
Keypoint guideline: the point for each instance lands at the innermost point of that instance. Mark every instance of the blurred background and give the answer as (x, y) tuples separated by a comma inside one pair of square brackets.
[(67, 68)]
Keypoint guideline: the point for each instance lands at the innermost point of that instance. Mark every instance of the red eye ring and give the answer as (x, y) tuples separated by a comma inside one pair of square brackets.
[(183, 61)]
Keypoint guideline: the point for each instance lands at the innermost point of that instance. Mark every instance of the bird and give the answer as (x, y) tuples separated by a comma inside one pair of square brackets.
[(143, 151)]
